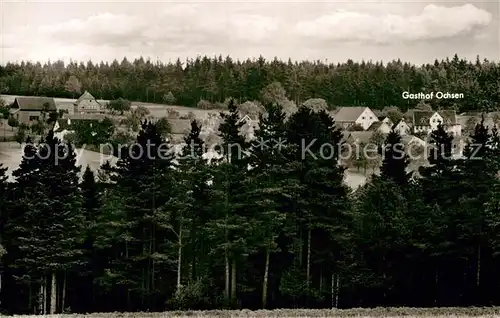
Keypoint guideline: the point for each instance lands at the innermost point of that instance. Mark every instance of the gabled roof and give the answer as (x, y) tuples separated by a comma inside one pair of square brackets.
[(85, 96), (35, 103), (376, 125), (402, 120), (349, 114), (422, 117), (68, 124), (449, 117), (386, 119), (248, 118)]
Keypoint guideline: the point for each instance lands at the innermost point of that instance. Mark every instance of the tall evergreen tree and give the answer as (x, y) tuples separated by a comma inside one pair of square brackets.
[(49, 228), (3, 218), (268, 188), (323, 209), (135, 220), (229, 189), (192, 214), (395, 160), (90, 208)]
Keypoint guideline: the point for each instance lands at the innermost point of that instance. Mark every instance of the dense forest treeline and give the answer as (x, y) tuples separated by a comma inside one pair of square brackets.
[(375, 85), (151, 234)]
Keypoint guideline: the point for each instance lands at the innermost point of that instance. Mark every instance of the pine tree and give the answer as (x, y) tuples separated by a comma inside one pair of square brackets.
[(322, 209), (3, 217), (395, 160), (383, 231), (229, 190), (268, 187), (192, 212), (135, 218), (90, 208), (477, 181), (49, 228)]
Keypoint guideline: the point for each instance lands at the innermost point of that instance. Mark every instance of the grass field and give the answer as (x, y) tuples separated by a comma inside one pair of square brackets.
[(356, 312)]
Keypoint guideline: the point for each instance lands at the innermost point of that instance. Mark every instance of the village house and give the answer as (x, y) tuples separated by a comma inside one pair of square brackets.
[(87, 104), (350, 116), (402, 128), (381, 127), (388, 121), (62, 127), (250, 124), (29, 110), (428, 121)]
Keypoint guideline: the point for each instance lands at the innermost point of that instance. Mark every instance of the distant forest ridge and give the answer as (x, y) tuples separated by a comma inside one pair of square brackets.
[(372, 84)]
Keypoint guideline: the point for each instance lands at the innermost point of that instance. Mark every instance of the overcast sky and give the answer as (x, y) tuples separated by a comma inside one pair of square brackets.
[(415, 31)]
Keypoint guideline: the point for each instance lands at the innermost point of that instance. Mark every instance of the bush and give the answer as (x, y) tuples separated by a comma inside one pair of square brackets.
[(194, 295), (120, 105), (70, 138), (204, 104), (191, 116), (13, 122), (172, 113), (122, 138), (316, 104)]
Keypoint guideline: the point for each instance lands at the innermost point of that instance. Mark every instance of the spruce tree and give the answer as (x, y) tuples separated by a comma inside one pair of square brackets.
[(135, 219), (90, 208), (477, 182), (3, 219), (383, 231), (269, 191), (48, 228), (192, 211), (322, 208), (231, 223), (395, 160)]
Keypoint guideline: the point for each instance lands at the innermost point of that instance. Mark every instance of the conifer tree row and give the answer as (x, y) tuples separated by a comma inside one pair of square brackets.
[(214, 79), (264, 225)]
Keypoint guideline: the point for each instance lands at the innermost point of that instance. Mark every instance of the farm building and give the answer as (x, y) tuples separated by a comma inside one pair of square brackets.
[(350, 116), (28, 110), (66, 126), (87, 104), (381, 127)]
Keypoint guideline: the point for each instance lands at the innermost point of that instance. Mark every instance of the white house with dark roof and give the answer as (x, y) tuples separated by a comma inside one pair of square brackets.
[(87, 104), (388, 121), (402, 128), (250, 124), (381, 127), (428, 121), (349, 116), (62, 127)]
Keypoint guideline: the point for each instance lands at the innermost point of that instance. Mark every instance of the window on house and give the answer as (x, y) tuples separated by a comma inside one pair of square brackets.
[(34, 118), (371, 117), (363, 117)]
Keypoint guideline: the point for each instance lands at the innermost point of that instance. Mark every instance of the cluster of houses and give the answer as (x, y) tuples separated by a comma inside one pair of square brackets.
[(359, 124), (29, 110)]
